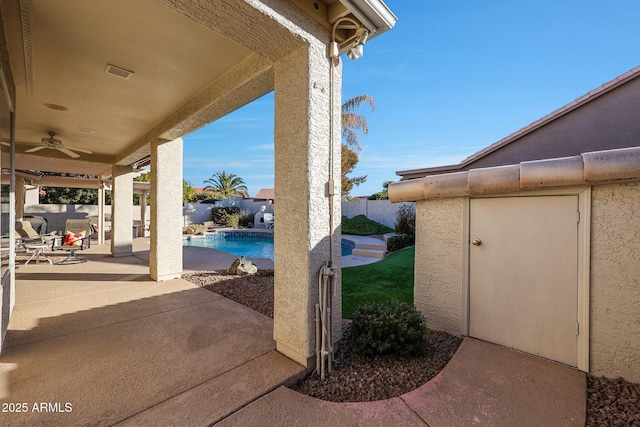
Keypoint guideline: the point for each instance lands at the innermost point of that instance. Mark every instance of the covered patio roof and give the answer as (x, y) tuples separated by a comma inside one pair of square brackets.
[(101, 88), (109, 77)]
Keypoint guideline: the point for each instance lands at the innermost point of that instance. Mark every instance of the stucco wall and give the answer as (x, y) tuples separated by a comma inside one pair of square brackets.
[(615, 281), (439, 268)]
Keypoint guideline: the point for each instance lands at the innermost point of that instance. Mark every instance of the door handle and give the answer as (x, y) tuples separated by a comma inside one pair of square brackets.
[(476, 242)]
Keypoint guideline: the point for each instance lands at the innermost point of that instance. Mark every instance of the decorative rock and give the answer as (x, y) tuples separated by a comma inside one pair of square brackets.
[(242, 267)]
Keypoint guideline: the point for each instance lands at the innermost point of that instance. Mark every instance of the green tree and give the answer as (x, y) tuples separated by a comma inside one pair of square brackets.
[(349, 162), (145, 177), (68, 195), (226, 185), (382, 195), (189, 194), (352, 123), (208, 195)]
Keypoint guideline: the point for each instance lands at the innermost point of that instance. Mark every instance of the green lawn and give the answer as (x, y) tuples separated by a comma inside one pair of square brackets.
[(391, 278)]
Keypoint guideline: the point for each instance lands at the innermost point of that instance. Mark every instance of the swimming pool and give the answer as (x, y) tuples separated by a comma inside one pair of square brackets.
[(254, 246), (248, 244)]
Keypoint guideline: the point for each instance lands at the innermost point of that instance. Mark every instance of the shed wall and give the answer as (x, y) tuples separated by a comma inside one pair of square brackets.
[(615, 281), (439, 262)]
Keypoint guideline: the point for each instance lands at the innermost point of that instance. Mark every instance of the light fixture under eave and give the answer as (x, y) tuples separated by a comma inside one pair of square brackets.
[(355, 52), (140, 163), (354, 44)]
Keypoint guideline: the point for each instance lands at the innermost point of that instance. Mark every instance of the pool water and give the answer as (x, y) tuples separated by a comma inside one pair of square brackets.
[(241, 246)]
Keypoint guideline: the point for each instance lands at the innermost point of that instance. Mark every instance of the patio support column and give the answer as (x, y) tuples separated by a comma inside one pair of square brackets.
[(304, 151), (101, 213), (165, 256), (143, 214), (19, 197), (122, 211)]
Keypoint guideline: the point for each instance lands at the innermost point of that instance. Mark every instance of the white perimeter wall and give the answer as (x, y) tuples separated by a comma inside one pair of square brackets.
[(382, 211)]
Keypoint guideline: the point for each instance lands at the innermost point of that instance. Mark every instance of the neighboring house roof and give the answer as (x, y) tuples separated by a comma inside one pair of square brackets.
[(605, 118), (265, 193)]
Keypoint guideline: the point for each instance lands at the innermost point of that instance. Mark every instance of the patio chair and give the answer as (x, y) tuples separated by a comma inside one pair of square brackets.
[(6, 242), (29, 235), (77, 237)]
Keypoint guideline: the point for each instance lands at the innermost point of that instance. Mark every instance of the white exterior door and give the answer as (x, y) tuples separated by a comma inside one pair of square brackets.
[(523, 274)]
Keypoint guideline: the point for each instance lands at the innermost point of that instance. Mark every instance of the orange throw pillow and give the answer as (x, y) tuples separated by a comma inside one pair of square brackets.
[(73, 239)]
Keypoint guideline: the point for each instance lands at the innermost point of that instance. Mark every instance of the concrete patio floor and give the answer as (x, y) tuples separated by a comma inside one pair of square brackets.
[(99, 343)]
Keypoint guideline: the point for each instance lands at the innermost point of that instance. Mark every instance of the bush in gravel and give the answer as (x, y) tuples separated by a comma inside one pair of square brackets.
[(395, 243), (391, 327)]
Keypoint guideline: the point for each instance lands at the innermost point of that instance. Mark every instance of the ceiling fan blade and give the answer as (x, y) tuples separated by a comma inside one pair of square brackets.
[(34, 149), (5, 143), (68, 152), (82, 150)]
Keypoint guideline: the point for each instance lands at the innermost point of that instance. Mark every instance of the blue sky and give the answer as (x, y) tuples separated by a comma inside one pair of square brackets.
[(449, 79)]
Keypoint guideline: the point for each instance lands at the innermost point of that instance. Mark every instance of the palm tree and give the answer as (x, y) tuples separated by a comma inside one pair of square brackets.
[(227, 185), (352, 121)]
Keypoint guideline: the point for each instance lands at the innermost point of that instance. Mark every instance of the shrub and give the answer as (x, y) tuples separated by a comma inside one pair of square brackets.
[(245, 218), (220, 215), (406, 220), (391, 327), (232, 221), (380, 195), (400, 241)]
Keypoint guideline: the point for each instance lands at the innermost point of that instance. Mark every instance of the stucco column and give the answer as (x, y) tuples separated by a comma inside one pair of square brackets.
[(143, 214), (303, 153), (101, 213), (19, 197), (165, 256), (122, 211)]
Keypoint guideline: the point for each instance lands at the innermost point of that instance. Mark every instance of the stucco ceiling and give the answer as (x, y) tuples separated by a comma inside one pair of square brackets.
[(189, 64), (73, 41)]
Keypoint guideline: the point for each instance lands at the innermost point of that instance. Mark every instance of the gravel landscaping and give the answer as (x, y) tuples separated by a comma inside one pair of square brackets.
[(610, 402)]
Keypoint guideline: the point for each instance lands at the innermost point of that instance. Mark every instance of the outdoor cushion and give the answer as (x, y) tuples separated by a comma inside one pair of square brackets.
[(73, 239)]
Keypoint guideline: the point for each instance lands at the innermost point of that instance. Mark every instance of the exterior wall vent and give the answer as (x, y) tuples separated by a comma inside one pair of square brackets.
[(119, 72)]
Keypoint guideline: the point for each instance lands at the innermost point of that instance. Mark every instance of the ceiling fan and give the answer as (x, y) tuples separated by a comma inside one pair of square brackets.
[(55, 144)]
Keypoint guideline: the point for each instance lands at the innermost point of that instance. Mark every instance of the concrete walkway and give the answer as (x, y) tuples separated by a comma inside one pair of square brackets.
[(99, 343), (483, 384)]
